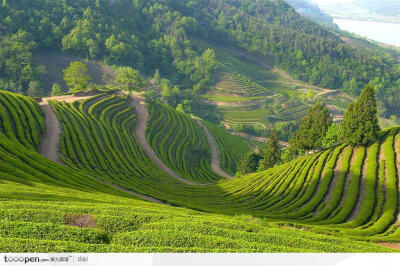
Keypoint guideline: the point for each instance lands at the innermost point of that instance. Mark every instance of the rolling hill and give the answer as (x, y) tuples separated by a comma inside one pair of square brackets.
[(338, 200), (100, 170)]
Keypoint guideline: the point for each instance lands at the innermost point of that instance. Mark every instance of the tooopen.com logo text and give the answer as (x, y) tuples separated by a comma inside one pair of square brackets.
[(21, 259)]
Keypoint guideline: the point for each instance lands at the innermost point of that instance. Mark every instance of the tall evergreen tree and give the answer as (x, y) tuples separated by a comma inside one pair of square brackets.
[(360, 122), (249, 163), (313, 127), (272, 152)]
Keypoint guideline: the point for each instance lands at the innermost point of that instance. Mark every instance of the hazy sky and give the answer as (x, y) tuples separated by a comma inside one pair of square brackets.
[(331, 1)]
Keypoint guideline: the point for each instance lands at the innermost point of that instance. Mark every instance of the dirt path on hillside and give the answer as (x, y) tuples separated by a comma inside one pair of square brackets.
[(215, 153), (262, 139), (140, 130), (51, 139)]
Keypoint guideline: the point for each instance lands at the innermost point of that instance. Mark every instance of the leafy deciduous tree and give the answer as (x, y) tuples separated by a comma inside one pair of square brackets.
[(76, 76), (332, 137), (56, 90), (129, 79)]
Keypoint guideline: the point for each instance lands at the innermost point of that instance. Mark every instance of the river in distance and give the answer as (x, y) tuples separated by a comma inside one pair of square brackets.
[(388, 33)]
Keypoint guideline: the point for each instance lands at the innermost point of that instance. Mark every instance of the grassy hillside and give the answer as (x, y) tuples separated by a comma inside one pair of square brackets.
[(342, 198)]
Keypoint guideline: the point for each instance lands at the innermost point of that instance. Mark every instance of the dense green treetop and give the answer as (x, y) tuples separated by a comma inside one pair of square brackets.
[(360, 123), (161, 34), (129, 79), (76, 76), (313, 128), (249, 163), (331, 137), (271, 152)]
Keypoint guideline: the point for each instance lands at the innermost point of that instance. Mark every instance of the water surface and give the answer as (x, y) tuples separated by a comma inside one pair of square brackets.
[(378, 31)]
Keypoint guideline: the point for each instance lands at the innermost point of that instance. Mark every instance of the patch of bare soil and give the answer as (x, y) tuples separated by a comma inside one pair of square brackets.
[(65, 98), (80, 220), (215, 154), (55, 62), (390, 245)]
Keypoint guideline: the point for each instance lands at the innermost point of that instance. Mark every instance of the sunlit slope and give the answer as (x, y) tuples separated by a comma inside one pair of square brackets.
[(350, 192), (340, 187), (46, 207)]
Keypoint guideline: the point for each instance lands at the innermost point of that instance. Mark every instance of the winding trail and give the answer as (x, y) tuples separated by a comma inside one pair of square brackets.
[(215, 155), (140, 130), (50, 141), (262, 139)]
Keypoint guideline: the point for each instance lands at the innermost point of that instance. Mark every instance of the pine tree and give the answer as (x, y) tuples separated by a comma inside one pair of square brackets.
[(360, 122), (249, 163), (313, 127), (272, 152)]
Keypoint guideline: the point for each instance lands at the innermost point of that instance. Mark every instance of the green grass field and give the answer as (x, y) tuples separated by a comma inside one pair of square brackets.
[(338, 200)]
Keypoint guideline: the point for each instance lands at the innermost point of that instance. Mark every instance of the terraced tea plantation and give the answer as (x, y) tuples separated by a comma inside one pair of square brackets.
[(180, 142), (249, 92), (343, 199)]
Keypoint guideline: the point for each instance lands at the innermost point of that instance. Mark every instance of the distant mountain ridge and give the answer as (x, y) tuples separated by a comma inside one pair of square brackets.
[(371, 10), (312, 11)]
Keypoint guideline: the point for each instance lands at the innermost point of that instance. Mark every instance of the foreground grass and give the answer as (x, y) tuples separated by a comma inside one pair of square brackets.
[(49, 207), (37, 218)]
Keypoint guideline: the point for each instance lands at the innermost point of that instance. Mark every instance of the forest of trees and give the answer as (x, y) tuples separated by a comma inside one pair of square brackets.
[(161, 34), (317, 132)]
